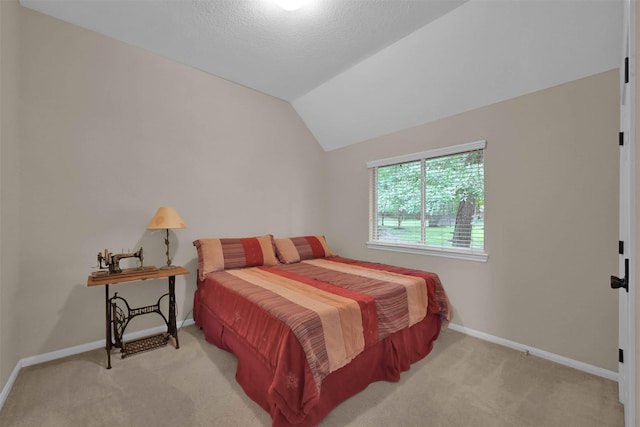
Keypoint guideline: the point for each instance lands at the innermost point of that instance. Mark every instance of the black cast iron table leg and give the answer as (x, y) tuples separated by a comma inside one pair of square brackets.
[(173, 329), (108, 322)]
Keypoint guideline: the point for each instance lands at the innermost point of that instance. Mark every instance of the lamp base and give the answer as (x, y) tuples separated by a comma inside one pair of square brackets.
[(167, 267)]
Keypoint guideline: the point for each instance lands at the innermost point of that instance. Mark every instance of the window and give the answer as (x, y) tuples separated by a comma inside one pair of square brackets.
[(430, 202)]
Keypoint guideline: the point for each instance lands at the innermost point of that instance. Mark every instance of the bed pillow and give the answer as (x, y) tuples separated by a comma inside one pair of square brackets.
[(220, 254), (296, 249)]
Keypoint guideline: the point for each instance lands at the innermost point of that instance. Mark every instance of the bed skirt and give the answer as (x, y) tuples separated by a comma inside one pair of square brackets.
[(384, 361)]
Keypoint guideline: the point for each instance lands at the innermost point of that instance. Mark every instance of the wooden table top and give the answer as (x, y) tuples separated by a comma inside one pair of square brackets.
[(134, 274)]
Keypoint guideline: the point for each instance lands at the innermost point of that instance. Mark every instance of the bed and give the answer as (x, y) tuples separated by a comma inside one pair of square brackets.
[(309, 328)]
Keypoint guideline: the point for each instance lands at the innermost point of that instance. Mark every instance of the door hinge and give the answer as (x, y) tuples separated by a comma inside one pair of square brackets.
[(621, 138), (617, 283), (626, 69), (620, 247), (620, 355)]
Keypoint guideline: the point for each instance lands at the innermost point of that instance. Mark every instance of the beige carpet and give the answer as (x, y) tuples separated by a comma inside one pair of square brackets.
[(463, 382)]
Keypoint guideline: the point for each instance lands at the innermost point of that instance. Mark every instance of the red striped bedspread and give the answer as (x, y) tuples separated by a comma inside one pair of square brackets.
[(335, 307)]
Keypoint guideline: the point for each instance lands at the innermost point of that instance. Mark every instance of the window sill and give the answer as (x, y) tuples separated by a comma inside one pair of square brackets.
[(467, 255)]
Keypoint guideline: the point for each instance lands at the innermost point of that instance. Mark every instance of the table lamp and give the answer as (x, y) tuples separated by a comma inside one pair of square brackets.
[(166, 218)]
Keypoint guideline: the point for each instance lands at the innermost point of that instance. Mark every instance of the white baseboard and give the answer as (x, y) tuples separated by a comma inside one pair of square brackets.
[(9, 384), (605, 373), (59, 354)]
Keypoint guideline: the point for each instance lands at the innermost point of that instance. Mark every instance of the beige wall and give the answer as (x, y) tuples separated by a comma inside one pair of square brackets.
[(108, 133), (9, 188), (551, 186)]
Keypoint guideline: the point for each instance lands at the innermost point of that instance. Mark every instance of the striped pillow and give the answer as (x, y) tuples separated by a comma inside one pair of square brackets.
[(296, 249), (220, 254)]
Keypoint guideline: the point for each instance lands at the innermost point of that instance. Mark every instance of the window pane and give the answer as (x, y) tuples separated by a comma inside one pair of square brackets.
[(454, 204), (398, 204)]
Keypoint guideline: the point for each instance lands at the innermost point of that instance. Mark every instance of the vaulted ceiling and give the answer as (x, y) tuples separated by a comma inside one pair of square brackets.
[(357, 69)]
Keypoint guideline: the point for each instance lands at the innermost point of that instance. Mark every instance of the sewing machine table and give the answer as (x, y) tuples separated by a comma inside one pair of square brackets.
[(117, 320)]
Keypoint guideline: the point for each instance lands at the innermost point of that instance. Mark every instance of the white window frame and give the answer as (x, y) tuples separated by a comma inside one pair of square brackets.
[(457, 253)]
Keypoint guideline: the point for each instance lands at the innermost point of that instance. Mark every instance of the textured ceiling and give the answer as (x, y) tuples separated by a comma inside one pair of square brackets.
[(358, 69), (254, 42)]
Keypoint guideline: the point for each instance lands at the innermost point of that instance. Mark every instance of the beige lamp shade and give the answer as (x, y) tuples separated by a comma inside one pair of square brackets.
[(166, 218)]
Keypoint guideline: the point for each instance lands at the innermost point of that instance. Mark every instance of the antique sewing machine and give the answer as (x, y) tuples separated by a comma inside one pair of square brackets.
[(112, 262)]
